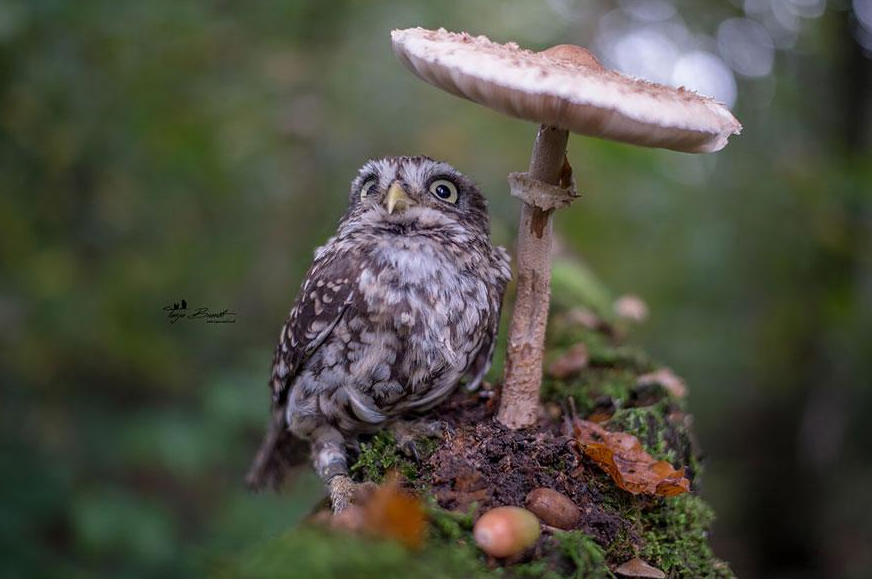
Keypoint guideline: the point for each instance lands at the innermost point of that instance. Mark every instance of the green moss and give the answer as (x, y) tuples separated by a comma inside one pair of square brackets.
[(676, 539), (451, 526), (315, 553), (587, 557), (609, 380), (602, 348), (449, 552), (380, 455), (621, 357), (606, 388), (650, 425), (622, 548), (664, 437)]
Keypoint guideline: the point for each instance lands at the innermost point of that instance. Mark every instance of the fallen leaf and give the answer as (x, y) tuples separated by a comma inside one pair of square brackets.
[(571, 362), (621, 455), (600, 417), (392, 513), (631, 307), (636, 567), (666, 378), (385, 511)]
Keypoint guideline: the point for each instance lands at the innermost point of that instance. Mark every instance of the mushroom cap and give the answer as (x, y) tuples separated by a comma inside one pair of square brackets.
[(565, 86)]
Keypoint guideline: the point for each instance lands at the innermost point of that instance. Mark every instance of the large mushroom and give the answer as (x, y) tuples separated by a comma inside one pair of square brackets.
[(563, 88)]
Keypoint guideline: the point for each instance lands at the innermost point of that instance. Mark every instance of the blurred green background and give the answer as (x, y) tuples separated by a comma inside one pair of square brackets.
[(158, 151)]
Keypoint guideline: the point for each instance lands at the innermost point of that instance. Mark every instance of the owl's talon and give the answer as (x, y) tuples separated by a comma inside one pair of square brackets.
[(436, 428), (406, 434), (410, 449), (345, 492), (341, 492)]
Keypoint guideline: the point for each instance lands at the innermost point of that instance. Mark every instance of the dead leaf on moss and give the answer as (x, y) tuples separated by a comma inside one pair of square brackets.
[(571, 362), (636, 567), (387, 512), (600, 417), (621, 455), (666, 378), (393, 513)]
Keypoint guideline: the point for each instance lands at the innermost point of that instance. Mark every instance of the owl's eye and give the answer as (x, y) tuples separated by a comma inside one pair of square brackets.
[(364, 191), (444, 190)]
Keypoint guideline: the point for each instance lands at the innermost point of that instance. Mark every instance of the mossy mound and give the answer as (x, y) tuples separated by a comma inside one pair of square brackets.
[(481, 464)]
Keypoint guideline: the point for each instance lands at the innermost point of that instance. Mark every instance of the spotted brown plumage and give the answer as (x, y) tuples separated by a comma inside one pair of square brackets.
[(399, 306)]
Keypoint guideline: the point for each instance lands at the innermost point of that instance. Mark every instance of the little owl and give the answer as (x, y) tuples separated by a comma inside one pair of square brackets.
[(399, 307)]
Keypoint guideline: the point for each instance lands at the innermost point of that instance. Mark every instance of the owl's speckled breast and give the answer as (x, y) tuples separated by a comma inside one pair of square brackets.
[(415, 323), (421, 290)]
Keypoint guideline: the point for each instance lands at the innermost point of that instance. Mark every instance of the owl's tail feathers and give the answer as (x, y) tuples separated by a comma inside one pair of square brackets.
[(280, 455)]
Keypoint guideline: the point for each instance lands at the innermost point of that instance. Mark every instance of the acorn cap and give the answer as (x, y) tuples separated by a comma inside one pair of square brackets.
[(566, 87)]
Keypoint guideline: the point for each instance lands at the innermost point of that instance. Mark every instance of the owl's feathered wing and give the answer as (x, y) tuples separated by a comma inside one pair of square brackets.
[(482, 362), (324, 298)]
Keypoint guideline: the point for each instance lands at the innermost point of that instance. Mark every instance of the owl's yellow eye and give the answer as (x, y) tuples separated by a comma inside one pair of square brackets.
[(364, 191), (444, 190)]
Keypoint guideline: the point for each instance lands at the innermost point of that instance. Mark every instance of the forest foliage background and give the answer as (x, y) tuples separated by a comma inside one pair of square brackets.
[(158, 151)]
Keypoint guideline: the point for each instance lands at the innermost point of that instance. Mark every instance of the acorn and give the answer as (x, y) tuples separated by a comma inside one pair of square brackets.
[(554, 508), (506, 531)]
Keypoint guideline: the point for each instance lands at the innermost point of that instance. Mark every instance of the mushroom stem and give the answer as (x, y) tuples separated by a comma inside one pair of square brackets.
[(523, 373)]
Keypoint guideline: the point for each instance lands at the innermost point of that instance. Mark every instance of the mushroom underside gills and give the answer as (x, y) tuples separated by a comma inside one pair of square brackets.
[(523, 372)]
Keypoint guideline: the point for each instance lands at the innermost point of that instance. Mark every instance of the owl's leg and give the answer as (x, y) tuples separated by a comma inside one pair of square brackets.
[(331, 463)]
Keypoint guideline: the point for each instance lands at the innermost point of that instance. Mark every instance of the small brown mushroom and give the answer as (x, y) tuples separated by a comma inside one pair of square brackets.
[(636, 567), (554, 508), (564, 89)]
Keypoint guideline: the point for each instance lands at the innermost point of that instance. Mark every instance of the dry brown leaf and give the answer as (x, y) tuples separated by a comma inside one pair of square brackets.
[(394, 514), (621, 455), (636, 567), (666, 378), (385, 511), (600, 417), (571, 362)]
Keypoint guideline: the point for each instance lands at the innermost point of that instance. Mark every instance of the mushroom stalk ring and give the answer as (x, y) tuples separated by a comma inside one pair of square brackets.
[(543, 195)]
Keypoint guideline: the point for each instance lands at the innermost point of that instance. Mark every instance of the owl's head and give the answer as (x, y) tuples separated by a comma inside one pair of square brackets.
[(416, 192)]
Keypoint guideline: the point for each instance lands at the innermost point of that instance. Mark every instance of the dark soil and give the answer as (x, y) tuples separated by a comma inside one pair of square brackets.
[(483, 464)]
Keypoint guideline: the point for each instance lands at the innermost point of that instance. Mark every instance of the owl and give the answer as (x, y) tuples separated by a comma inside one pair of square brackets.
[(400, 306)]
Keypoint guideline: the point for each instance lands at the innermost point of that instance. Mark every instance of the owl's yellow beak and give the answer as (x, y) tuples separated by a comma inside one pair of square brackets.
[(397, 198)]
